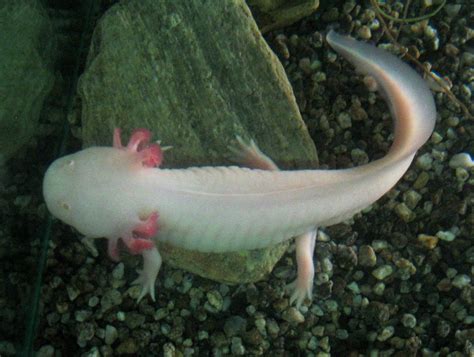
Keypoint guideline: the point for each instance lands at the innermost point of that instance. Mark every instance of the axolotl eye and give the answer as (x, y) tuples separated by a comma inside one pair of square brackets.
[(64, 205), (68, 164)]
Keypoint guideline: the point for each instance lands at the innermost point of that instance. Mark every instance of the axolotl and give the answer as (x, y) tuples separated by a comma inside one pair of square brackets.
[(120, 192)]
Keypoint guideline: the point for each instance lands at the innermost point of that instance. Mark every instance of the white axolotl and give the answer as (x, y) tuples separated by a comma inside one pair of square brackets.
[(119, 193)]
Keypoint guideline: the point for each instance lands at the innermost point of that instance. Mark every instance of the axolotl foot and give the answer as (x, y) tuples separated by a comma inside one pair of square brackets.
[(147, 276)]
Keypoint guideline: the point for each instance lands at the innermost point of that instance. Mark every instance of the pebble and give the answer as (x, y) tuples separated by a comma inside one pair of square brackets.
[(424, 161), (348, 6), (364, 32), (202, 335), (359, 157), (72, 292), (86, 333), (451, 273), (368, 15), (234, 326), (134, 319), (273, 328), (53, 318), (467, 59), (379, 288), (82, 315), (118, 271), (62, 307), (461, 280), (344, 120), (411, 198), (462, 174), (169, 350), (443, 329), (444, 285), (111, 298), (215, 299), (470, 255), (354, 287), (317, 310), (421, 180), (404, 212), (452, 10), (446, 236), (451, 134), (383, 272), (367, 256), (260, 324), (409, 320), (428, 241), (319, 77), (405, 268), (127, 347), (436, 137), (453, 121), (305, 65), (312, 343), (292, 315), (327, 265), (237, 347), (111, 334), (186, 285), (120, 315), (161, 313), (93, 301), (46, 351), (379, 245), (386, 333), (342, 334), (331, 305), (331, 15)]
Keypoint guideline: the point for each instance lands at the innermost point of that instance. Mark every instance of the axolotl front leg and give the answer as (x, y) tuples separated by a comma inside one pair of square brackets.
[(249, 155), (139, 240)]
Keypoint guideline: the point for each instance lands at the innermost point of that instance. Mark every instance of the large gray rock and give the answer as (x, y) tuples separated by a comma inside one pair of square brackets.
[(196, 75), (26, 75)]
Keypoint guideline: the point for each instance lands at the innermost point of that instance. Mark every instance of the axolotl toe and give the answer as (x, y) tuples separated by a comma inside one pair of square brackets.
[(120, 192)]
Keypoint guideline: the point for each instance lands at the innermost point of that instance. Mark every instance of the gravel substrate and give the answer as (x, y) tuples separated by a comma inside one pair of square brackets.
[(394, 281)]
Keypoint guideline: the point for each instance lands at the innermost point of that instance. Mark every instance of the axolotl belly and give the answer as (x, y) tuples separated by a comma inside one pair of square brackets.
[(120, 193)]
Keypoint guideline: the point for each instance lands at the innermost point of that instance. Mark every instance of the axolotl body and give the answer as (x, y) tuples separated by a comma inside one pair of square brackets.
[(120, 193)]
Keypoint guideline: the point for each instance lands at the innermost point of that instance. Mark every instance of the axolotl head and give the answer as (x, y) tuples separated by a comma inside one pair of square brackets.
[(86, 189), (77, 188)]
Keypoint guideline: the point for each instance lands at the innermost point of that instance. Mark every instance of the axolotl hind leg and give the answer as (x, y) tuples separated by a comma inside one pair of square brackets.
[(302, 287), (248, 154)]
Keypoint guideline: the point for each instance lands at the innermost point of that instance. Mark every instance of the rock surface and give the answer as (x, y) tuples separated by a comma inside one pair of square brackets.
[(275, 14), (196, 75), (26, 75)]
